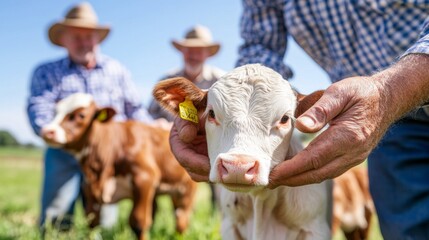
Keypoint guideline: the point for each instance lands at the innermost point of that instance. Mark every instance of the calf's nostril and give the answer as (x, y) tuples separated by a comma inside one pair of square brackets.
[(252, 170), (223, 170)]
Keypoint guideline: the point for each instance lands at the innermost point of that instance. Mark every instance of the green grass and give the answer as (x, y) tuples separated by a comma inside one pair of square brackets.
[(20, 178), (20, 152), (20, 181), (20, 175)]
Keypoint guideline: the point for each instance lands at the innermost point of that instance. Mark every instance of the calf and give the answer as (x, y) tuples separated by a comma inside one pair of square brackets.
[(121, 160), (249, 117), (353, 206)]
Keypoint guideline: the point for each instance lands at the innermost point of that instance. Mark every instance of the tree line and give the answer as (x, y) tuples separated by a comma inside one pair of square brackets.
[(8, 140)]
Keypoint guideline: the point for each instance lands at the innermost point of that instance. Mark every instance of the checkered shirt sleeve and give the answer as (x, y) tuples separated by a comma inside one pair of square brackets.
[(346, 38)]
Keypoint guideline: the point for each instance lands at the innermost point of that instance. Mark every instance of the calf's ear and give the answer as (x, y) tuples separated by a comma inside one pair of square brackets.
[(306, 101), (171, 92), (104, 114)]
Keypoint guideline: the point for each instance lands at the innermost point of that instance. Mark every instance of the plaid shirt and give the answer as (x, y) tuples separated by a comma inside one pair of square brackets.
[(346, 38), (109, 83)]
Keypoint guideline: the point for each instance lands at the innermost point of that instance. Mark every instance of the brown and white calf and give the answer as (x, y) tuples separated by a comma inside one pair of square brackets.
[(121, 160), (249, 119), (353, 205)]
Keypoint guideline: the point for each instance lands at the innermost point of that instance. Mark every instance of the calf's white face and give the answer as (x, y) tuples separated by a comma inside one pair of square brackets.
[(249, 115), (58, 132), (73, 115), (249, 124)]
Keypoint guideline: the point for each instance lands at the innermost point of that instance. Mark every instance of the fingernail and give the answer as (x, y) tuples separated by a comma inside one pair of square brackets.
[(309, 122)]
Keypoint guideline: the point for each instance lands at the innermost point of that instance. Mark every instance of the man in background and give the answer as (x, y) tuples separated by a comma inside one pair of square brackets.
[(196, 48), (84, 69)]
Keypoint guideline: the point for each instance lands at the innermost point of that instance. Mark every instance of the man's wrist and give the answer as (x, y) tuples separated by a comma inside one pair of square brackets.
[(404, 86)]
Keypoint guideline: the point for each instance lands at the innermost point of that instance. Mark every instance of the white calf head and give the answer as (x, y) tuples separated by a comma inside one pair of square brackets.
[(73, 116), (249, 121)]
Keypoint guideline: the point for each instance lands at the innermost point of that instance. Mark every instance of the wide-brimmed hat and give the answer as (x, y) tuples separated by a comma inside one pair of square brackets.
[(198, 36), (81, 16)]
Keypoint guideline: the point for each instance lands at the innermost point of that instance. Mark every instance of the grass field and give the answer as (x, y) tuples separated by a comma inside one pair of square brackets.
[(20, 180)]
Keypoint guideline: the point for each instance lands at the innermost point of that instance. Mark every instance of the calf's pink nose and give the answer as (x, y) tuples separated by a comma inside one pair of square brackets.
[(48, 134), (238, 171)]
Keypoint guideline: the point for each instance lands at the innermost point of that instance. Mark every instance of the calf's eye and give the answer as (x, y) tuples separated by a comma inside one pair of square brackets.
[(284, 119), (211, 114), (81, 115), (71, 117)]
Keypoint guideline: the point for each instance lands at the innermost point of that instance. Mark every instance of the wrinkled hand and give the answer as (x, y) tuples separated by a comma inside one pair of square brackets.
[(189, 145), (357, 120)]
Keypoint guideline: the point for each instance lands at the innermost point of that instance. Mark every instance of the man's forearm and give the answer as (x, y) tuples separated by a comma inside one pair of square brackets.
[(404, 86)]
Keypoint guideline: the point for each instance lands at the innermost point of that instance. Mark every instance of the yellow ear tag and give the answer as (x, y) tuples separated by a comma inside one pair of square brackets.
[(102, 115), (188, 111)]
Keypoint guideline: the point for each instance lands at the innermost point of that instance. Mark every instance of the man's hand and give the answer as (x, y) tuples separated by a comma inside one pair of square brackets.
[(359, 111), (354, 110), (189, 145)]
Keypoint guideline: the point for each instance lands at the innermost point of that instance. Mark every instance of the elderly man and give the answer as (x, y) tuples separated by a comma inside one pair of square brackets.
[(196, 48), (84, 69)]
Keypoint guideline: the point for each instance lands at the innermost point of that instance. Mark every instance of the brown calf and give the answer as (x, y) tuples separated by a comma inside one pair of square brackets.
[(121, 160)]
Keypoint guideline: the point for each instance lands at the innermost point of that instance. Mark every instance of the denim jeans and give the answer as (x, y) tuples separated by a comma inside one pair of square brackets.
[(399, 178), (62, 187)]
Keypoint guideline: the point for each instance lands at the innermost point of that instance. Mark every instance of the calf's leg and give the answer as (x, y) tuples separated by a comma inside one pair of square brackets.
[(183, 204), (143, 196), (92, 207)]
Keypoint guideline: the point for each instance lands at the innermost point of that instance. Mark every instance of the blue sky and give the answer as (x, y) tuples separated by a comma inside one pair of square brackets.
[(140, 38)]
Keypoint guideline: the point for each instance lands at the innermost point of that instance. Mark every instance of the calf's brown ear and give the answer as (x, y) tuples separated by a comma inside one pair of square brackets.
[(306, 101), (170, 92), (105, 114)]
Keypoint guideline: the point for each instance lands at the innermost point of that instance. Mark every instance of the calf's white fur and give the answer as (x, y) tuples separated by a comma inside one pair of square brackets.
[(249, 115)]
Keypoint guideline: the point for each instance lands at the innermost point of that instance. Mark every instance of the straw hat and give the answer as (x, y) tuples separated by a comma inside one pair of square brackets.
[(198, 36), (81, 16)]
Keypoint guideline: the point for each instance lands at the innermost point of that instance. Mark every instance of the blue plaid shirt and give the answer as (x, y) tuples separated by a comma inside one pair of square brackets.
[(346, 38), (109, 83)]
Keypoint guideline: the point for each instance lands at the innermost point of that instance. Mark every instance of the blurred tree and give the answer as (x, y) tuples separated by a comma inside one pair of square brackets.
[(7, 139)]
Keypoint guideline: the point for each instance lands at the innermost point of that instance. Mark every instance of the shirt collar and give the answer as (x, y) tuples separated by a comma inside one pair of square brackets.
[(203, 76), (100, 60)]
